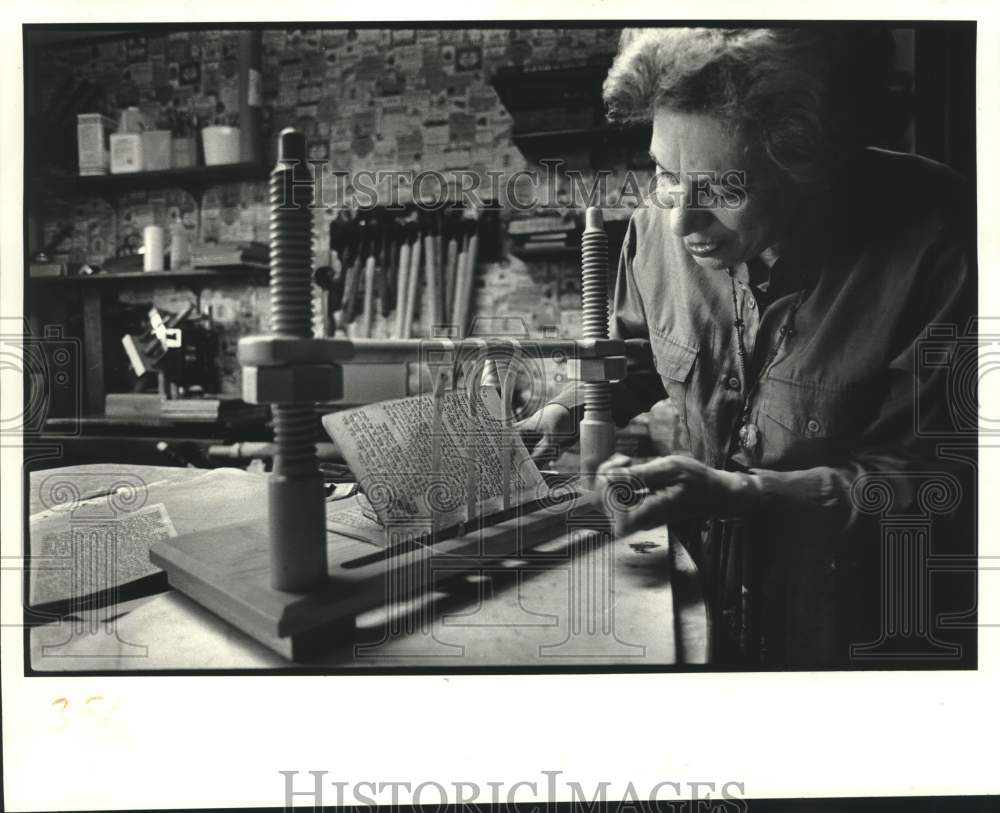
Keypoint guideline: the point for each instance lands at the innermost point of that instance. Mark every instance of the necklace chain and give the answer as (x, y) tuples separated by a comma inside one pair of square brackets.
[(748, 388)]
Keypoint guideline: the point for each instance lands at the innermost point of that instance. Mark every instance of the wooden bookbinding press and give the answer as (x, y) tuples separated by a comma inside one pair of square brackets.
[(289, 584)]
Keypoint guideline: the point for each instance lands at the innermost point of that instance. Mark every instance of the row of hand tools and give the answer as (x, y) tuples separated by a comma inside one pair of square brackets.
[(396, 265)]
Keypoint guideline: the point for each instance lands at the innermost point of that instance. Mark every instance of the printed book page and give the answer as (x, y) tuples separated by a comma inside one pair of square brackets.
[(391, 450), (96, 524)]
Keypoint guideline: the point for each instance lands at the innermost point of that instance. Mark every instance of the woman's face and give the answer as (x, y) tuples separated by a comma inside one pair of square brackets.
[(725, 202)]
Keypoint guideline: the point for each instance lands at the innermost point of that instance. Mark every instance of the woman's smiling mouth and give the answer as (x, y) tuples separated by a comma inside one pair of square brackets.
[(701, 248)]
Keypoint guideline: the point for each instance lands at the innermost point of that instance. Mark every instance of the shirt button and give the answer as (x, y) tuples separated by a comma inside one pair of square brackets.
[(812, 426), (752, 303), (733, 382)]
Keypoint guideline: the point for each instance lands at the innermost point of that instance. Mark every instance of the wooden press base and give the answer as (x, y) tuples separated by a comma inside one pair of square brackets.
[(227, 571)]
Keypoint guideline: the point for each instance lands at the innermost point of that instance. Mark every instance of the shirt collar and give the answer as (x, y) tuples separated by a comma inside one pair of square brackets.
[(802, 253)]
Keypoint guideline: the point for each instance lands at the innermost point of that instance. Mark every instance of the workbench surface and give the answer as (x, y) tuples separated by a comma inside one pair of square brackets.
[(633, 603)]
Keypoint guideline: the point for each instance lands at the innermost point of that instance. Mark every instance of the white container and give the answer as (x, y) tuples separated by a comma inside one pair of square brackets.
[(126, 153), (132, 121), (222, 145), (152, 248), (155, 150)]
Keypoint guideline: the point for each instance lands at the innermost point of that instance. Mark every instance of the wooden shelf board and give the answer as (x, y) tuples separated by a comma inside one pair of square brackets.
[(227, 272), (182, 177)]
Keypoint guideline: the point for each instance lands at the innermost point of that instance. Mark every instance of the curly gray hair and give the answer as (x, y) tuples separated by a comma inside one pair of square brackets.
[(796, 91)]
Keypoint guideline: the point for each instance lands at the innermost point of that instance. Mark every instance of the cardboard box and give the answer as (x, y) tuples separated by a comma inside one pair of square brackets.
[(51, 269), (155, 150), (184, 152), (93, 141)]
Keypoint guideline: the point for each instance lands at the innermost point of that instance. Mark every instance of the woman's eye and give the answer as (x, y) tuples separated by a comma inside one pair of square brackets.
[(664, 178)]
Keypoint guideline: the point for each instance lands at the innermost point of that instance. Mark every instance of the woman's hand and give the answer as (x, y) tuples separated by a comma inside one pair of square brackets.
[(648, 495), (548, 431)]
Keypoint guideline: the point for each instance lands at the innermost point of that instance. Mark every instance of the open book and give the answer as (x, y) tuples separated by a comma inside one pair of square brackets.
[(91, 527), (433, 463)]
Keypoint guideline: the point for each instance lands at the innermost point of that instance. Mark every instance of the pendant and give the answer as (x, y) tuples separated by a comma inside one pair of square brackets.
[(749, 437)]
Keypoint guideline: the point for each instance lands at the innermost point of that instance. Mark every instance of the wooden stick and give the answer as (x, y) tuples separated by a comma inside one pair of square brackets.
[(433, 288), (369, 301), (439, 270), (456, 309), (411, 290), (470, 280), (352, 280), (451, 267), (402, 287), (386, 288)]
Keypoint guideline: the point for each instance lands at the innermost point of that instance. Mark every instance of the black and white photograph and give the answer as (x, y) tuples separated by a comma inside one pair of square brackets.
[(429, 355)]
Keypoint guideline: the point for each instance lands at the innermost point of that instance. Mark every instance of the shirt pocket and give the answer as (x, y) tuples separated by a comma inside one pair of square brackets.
[(804, 425), (675, 358)]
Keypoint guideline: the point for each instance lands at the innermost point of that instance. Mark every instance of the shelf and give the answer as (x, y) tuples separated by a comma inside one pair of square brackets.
[(587, 134), (521, 89), (194, 179), (546, 252), (531, 97), (228, 273), (578, 132)]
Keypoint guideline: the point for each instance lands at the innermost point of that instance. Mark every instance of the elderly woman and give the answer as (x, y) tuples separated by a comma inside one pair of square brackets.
[(782, 309)]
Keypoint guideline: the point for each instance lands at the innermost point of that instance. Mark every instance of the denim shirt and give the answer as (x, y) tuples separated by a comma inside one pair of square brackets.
[(873, 264)]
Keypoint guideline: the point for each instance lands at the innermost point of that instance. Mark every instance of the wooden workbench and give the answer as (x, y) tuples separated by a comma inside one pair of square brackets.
[(633, 603)]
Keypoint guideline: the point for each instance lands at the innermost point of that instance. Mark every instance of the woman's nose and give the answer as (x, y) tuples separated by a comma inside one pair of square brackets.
[(686, 220)]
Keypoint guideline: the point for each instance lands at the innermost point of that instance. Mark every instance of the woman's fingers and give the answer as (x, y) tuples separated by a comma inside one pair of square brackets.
[(653, 511), (617, 489), (663, 471), (616, 461)]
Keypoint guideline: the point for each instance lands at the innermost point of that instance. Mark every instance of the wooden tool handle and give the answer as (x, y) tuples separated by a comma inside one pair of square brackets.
[(401, 289), (456, 307), (351, 285), (368, 307), (451, 267), (433, 287), (411, 289), (465, 280)]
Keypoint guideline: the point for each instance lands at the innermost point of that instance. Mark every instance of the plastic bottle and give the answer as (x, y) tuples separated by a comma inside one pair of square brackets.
[(180, 246)]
